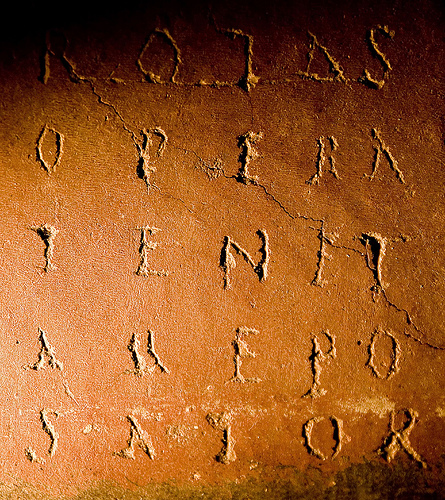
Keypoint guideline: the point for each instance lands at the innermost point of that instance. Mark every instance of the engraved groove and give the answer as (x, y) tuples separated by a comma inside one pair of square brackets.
[(339, 436), (66, 63), (317, 358), (395, 355), (140, 364), (366, 78), (48, 427), (242, 351), (46, 351), (146, 245), (334, 66), (59, 148), (375, 246), (145, 165), (227, 260), (248, 153), (381, 149), (399, 439), (248, 81), (223, 422), (47, 233), (323, 255), (31, 455), (149, 75), (138, 437), (322, 158)]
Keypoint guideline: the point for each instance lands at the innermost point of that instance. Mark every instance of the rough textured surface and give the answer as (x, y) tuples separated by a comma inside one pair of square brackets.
[(221, 262)]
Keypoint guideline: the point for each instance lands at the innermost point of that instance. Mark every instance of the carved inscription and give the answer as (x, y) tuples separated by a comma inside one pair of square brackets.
[(322, 158), (248, 153), (138, 437), (381, 149), (242, 351), (248, 81), (162, 34), (395, 354), (146, 165), (150, 147), (322, 255), (317, 358), (47, 352), (56, 45), (58, 144), (227, 260), (48, 427), (399, 439), (334, 67), (31, 455), (140, 364), (339, 436), (47, 233), (379, 55), (145, 246), (375, 246), (223, 422)]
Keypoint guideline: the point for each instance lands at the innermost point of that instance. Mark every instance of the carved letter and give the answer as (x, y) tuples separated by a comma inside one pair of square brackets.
[(48, 427), (395, 355), (242, 351), (334, 66), (223, 422), (367, 79), (66, 63), (339, 436), (248, 80), (149, 75), (248, 153), (139, 437), (317, 358), (322, 158), (145, 165), (398, 440), (47, 233), (48, 351), (140, 365), (58, 152), (146, 245), (227, 260), (375, 246), (381, 149), (322, 255)]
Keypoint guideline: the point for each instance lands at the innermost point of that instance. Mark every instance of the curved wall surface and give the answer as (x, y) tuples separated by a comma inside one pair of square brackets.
[(221, 250)]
